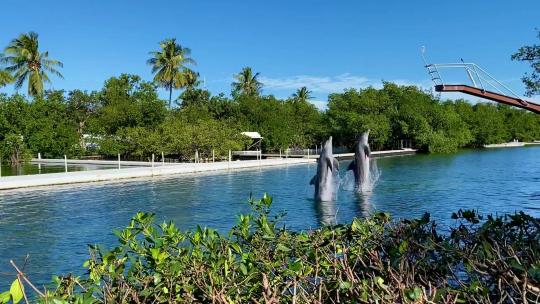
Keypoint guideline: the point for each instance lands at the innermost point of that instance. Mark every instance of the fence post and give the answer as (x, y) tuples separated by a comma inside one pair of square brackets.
[(118, 160), (65, 162)]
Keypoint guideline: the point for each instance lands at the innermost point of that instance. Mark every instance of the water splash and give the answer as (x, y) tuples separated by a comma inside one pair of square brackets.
[(365, 191), (347, 182)]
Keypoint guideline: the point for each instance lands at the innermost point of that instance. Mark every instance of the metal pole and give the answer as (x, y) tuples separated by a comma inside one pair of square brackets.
[(153, 160), (230, 158), (39, 163), (279, 153), (65, 162), (308, 153), (0, 167), (162, 159), (118, 160), (213, 156)]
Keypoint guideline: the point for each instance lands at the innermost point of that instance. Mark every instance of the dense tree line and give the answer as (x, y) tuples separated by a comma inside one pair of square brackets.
[(127, 116)]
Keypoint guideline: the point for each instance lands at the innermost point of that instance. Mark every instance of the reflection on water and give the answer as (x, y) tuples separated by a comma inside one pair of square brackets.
[(29, 169), (54, 225)]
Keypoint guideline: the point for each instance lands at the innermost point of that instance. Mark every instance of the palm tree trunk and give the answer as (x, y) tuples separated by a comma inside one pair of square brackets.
[(170, 95)]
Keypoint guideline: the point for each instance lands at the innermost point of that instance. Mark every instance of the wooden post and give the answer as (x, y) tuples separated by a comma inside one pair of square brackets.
[(65, 162), (118, 160)]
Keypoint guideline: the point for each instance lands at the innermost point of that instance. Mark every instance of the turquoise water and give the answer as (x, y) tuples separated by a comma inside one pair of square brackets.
[(54, 225)]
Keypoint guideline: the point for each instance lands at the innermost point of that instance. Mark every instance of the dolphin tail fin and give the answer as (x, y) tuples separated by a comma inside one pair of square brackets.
[(313, 180), (351, 166)]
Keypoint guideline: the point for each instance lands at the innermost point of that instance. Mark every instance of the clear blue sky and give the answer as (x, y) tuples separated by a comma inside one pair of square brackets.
[(326, 45)]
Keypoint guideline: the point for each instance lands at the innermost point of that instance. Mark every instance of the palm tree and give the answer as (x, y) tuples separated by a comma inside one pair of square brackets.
[(192, 79), (302, 95), (5, 78), (168, 65), (26, 63), (246, 83)]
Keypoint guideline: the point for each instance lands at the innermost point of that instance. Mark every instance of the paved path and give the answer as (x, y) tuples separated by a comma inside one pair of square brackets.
[(23, 181), (145, 169)]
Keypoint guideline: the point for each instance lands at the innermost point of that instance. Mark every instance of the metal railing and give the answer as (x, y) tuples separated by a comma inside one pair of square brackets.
[(479, 78)]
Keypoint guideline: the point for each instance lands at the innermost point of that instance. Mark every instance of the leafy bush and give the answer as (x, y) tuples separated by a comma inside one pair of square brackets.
[(373, 260)]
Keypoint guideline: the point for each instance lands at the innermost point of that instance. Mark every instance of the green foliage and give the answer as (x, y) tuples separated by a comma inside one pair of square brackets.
[(372, 260), (396, 113), (531, 55)]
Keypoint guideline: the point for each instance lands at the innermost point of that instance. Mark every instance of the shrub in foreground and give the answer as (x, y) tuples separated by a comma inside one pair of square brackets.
[(373, 260)]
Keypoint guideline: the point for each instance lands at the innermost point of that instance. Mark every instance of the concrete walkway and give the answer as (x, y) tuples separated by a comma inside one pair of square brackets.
[(24, 181), (145, 169)]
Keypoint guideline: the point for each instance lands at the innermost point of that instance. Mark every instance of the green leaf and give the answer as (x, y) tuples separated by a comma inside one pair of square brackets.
[(414, 294), (281, 247), (16, 290), (243, 268), (5, 297), (345, 285), (295, 266), (403, 246)]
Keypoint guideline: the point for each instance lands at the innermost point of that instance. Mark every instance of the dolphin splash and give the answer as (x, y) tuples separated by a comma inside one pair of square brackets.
[(325, 179), (360, 164)]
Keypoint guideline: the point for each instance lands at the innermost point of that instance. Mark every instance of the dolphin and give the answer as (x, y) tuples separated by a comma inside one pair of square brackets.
[(325, 180), (360, 163)]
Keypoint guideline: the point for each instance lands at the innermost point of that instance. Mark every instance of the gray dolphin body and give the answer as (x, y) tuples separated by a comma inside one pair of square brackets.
[(325, 179), (360, 164)]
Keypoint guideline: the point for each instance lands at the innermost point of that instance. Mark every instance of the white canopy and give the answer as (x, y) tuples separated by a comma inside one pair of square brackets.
[(252, 135)]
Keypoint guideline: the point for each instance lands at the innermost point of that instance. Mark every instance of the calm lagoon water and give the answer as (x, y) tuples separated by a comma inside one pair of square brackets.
[(54, 225), (30, 169)]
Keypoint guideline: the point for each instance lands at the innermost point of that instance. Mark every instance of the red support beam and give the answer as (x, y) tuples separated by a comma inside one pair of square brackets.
[(511, 101)]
